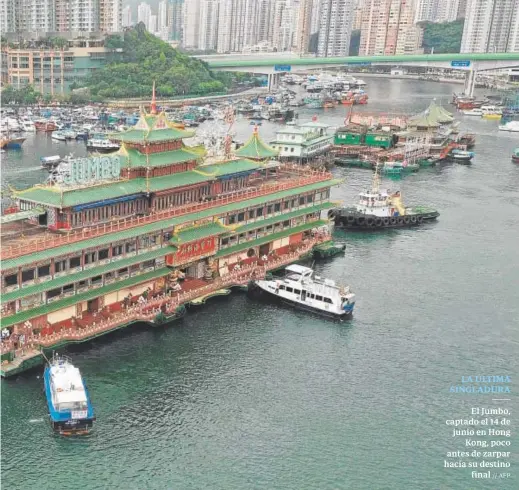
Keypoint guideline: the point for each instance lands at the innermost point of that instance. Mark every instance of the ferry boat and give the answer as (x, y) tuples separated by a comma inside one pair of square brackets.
[(68, 401), (86, 244), (380, 209), (491, 112), (303, 290)]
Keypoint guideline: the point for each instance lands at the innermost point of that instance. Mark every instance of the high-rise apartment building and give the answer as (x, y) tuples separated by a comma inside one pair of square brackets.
[(110, 15), (162, 20), (437, 10), (462, 8), (191, 31), (127, 17), (208, 31), (336, 17), (490, 26), (175, 19), (304, 26), (238, 25), (388, 28), (36, 15), (265, 20), (144, 13), (357, 16)]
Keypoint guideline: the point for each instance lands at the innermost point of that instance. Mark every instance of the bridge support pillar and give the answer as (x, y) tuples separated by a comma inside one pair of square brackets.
[(470, 82), (273, 81)]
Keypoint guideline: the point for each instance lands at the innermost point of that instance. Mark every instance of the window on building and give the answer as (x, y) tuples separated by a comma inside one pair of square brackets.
[(286, 205), (225, 241), (90, 257), (301, 200), (148, 263), (44, 270), (241, 217), (117, 250), (103, 254), (309, 198), (75, 262), (259, 212), (69, 288), (286, 223), (96, 281), (82, 284), (251, 214), (269, 209), (122, 272), (60, 265), (53, 293), (11, 280), (277, 207), (232, 219)]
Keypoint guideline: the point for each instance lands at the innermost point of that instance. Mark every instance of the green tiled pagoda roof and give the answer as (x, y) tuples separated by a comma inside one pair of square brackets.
[(154, 136), (270, 237), (51, 196), (282, 217), (72, 300), (433, 116), (256, 148), (227, 168), (196, 233), (85, 274), (157, 226), (133, 158)]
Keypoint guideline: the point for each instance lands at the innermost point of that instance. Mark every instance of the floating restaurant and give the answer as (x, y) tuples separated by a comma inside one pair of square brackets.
[(137, 235)]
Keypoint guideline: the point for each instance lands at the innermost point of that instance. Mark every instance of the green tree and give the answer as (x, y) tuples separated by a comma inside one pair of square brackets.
[(444, 37)]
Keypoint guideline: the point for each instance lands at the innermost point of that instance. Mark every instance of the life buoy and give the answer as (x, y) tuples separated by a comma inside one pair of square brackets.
[(413, 220), (400, 220), (378, 222), (392, 221), (385, 221), (406, 220)]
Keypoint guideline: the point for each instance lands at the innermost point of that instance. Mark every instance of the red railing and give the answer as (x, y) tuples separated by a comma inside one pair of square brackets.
[(306, 176), (148, 311)]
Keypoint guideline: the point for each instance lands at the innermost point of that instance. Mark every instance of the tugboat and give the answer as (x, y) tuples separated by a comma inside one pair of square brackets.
[(515, 156), (70, 409), (380, 209), (302, 290)]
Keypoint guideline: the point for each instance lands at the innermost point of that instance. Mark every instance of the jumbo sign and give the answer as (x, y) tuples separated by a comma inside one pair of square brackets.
[(86, 170)]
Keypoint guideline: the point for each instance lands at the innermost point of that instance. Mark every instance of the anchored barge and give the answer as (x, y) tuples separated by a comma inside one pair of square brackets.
[(132, 236)]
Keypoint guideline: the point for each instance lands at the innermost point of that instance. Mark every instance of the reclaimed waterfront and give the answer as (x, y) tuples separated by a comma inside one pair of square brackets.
[(243, 395)]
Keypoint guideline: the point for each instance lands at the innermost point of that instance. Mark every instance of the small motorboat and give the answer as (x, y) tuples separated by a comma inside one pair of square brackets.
[(68, 401), (511, 126), (303, 290), (462, 156), (473, 112), (515, 156), (58, 135), (50, 162)]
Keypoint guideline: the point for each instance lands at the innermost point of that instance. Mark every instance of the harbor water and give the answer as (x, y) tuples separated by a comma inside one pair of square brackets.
[(243, 395)]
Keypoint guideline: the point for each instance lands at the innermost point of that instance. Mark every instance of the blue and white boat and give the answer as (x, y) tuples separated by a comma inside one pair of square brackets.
[(462, 156), (70, 409), (302, 290)]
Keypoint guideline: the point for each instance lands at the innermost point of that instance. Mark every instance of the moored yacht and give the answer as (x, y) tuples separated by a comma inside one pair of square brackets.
[(301, 289), (70, 409)]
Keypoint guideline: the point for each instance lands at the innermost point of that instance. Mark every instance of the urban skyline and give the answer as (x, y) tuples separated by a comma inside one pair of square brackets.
[(386, 27)]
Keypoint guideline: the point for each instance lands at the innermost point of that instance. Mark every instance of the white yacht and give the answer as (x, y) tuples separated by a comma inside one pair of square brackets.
[(477, 111), (511, 126), (27, 125), (301, 289)]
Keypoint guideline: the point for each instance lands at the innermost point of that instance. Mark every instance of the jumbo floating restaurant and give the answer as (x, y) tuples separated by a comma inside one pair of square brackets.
[(75, 252)]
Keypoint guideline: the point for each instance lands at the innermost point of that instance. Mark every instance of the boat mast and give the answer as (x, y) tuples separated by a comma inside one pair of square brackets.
[(375, 186)]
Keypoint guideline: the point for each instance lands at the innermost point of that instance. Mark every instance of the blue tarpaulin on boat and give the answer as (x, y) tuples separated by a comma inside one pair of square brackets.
[(107, 202)]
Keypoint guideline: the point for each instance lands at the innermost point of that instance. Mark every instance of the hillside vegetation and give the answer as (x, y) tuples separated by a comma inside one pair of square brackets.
[(444, 37), (137, 58)]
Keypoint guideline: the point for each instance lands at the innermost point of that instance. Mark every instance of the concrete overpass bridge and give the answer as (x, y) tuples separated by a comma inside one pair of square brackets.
[(272, 64)]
